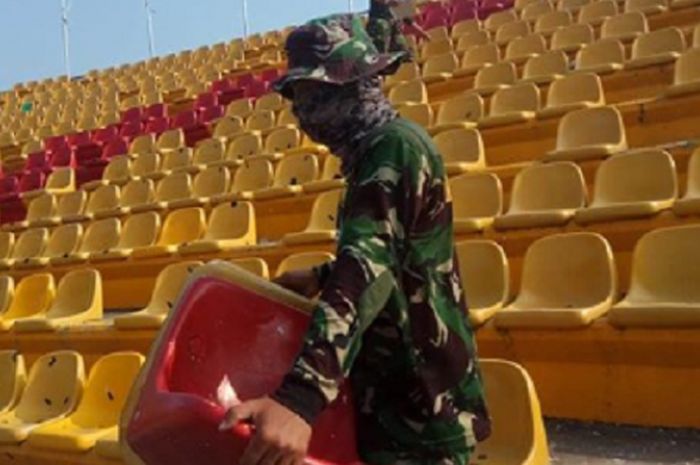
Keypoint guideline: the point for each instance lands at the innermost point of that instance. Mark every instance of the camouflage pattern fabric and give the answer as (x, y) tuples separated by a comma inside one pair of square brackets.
[(392, 316), (385, 30)]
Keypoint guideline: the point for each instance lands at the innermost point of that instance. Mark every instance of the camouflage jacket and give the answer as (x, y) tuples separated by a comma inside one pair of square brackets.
[(392, 315)]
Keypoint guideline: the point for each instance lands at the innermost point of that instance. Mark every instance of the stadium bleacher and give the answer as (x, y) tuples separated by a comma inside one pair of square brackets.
[(569, 130)]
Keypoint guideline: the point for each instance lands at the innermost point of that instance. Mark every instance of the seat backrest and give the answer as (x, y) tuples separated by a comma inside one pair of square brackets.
[(296, 169), (331, 168), (286, 118), (646, 5), (228, 126), (30, 244), (550, 63), (500, 18), (54, 387), (520, 97), (145, 143), (169, 284), (261, 120), (693, 177), (504, 73), (171, 140), (7, 243), (465, 27), (212, 181), (658, 42), (591, 126), (34, 294), (254, 265), (106, 390), (624, 25), (303, 261), (64, 240), (576, 88), (43, 206), (176, 159), (104, 198), (145, 164), (570, 36), (241, 108), (406, 72), (466, 107), (140, 230), (550, 22), (445, 63), (568, 271), (118, 169), (271, 101), (12, 378), (597, 11), (324, 212), (419, 113), (182, 226), (648, 175), (282, 139), (174, 186), (101, 236), (232, 221), (7, 293), (551, 186), (61, 178), (510, 393), (409, 92), (253, 175), (209, 151), (472, 39), (477, 195), (78, 291), (666, 266), (687, 67), (512, 30), (434, 48), (483, 269), (525, 46), (481, 55), (460, 145), (245, 145)]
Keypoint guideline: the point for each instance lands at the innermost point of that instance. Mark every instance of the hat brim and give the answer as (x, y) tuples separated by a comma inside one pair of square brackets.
[(339, 74)]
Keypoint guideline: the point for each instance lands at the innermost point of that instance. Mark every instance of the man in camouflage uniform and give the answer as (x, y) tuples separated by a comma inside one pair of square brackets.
[(385, 28), (391, 315)]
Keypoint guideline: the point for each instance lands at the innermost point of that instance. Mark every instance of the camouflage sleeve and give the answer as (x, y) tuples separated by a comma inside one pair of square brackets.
[(359, 284)]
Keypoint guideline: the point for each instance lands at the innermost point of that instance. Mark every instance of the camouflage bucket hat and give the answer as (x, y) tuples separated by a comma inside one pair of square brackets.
[(336, 50)]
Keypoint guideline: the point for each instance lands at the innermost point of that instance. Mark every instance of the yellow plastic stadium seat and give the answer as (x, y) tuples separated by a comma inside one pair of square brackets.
[(409, 92), (102, 202), (696, 36), (572, 38), (544, 195), (100, 236), (209, 152), (286, 118), (476, 200), (146, 165), (322, 224), (686, 77), (145, 143), (438, 33), (568, 280), (282, 141), (472, 39), (648, 7), (460, 112), (548, 23), (497, 20), (13, 376), (117, 172), (241, 108), (601, 57), (331, 177), (180, 227), (168, 285), (536, 9), (136, 192), (7, 293), (512, 30), (690, 203), (632, 185), (573, 92), (440, 68), (253, 175), (210, 183), (465, 27), (590, 133), (419, 113), (523, 48), (174, 187), (406, 72), (228, 127), (98, 413), (139, 231), (663, 290), (513, 105), (625, 27), (492, 78), (657, 47), (243, 146), (546, 67), (483, 268), (30, 244), (108, 446), (257, 266), (435, 48), (63, 242), (272, 101), (477, 58), (292, 172), (53, 390), (261, 120), (33, 296), (41, 208), (78, 299), (170, 140), (510, 394), (596, 12), (462, 150), (231, 226), (303, 261), (60, 181)]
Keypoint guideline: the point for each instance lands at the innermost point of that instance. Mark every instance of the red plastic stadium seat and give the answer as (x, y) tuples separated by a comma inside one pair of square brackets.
[(189, 123), (55, 143), (204, 101), (31, 181), (226, 91), (131, 129), (257, 88), (270, 75), (132, 115), (203, 345), (9, 187), (84, 147), (105, 135), (212, 113), (156, 111), (118, 146), (463, 12), (158, 125), (37, 161), (64, 157), (245, 80)]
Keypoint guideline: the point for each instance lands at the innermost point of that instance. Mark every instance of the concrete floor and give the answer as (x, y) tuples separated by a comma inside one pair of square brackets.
[(578, 443)]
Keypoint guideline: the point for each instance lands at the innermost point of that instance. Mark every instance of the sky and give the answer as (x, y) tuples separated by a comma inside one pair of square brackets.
[(105, 33)]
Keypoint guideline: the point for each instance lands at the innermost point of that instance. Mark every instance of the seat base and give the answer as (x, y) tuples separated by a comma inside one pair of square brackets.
[(139, 320), (324, 185), (213, 246), (449, 126), (514, 317), (533, 219), (556, 112), (620, 212), (479, 316), (655, 60), (470, 225), (585, 153), (120, 254), (276, 192), (679, 90), (67, 436), (309, 237), (506, 119), (154, 251), (662, 315)]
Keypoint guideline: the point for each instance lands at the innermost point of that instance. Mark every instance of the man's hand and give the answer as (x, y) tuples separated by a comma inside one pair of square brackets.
[(304, 282), (281, 437)]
